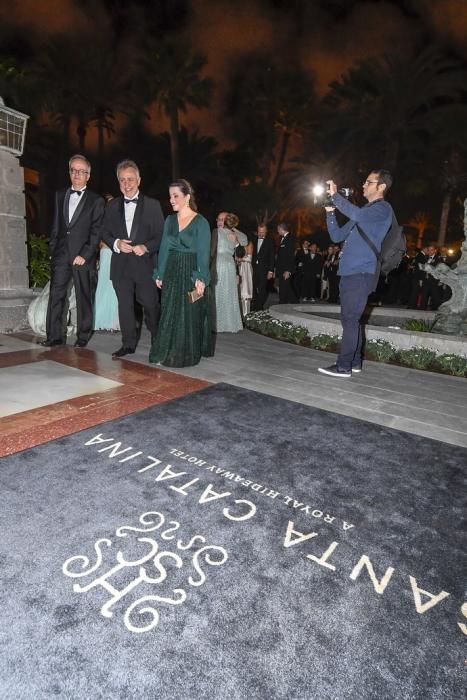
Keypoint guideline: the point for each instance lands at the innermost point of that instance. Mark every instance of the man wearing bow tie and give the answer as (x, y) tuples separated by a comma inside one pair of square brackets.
[(132, 228), (285, 264), (263, 266), (73, 250)]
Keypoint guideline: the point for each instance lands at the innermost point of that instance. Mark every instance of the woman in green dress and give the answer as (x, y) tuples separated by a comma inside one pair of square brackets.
[(184, 334)]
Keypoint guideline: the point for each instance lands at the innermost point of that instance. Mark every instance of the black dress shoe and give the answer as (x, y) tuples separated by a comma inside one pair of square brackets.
[(51, 343), (123, 351), (80, 343)]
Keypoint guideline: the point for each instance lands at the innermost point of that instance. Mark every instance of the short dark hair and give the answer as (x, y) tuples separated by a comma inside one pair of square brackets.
[(384, 177), (284, 225)]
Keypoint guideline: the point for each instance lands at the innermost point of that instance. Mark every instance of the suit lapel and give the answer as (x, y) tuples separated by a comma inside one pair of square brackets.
[(66, 208), (78, 209), (121, 210)]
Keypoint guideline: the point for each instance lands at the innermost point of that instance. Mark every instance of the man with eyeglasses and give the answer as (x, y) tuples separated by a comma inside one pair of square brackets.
[(358, 264), (73, 252)]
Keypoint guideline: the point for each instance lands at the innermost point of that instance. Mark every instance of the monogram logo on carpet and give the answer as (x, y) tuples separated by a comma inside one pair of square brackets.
[(147, 572)]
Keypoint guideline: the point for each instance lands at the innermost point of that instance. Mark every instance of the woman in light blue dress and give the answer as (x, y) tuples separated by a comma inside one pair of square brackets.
[(105, 303), (228, 316)]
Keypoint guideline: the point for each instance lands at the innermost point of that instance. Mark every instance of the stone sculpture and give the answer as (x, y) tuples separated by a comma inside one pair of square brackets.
[(452, 315)]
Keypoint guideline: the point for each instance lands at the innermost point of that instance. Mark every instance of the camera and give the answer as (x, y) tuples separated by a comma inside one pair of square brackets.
[(321, 196)]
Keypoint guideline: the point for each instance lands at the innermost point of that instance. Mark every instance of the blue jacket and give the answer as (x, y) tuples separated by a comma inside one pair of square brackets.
[(374, 218)]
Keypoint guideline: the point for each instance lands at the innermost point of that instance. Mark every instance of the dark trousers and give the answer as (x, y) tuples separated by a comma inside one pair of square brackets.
[(333, 281), (260, 291), (354, 293), (145, 292), (287, 293), (431, 291), (83, 277)]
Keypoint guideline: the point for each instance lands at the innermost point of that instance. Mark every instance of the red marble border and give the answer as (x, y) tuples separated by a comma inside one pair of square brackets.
[(142, 387)]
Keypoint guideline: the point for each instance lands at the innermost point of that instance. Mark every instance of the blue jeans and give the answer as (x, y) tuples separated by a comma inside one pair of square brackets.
[(354, 292)]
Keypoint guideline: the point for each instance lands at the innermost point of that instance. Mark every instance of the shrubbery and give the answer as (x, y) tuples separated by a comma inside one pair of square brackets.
[(379, 350)]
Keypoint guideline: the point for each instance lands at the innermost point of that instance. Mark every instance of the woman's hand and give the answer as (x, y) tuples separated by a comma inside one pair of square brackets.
[(158, 283), (200, 287)]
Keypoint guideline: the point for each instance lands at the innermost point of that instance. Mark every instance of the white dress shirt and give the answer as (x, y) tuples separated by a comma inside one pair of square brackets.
[(130, 208), (73, 202)]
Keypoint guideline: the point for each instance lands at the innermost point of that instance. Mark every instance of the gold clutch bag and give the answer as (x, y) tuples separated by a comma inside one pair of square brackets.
[(193, 296)]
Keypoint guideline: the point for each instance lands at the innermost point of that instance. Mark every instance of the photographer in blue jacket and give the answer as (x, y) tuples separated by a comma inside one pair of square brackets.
[(358, 263)]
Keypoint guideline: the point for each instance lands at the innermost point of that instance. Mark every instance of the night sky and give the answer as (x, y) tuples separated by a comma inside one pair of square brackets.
[(325, 38)]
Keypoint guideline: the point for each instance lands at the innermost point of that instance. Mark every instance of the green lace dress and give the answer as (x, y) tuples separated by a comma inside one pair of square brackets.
[(185, 330)]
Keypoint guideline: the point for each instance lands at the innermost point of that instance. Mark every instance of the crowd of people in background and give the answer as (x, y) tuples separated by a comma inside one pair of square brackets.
[(189, 281), (299, 271)]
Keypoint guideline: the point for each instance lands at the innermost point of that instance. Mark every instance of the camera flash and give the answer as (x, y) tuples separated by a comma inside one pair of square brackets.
[(318, 190)]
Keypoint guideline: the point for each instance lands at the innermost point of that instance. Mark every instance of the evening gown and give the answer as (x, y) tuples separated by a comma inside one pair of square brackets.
[(185, 333), (228, 316), (246, 283), (105, 303)]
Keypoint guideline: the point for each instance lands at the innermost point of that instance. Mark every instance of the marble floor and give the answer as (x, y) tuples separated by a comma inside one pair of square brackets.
[(46, 393)]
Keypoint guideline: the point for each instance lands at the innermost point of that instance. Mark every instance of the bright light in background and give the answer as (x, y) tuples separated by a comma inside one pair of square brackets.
[(450, 251), (318, 190)]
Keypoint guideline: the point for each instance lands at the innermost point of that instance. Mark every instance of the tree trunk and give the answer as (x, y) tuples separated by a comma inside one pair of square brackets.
[(66, 139), (443, 223), (281, 159), (420, 237), (100, 154), (81, 132), (174, 141)]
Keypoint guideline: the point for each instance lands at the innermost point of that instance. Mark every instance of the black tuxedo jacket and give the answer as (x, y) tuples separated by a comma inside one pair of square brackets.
[(81, 235), (286, 255), (147, 227), (263, 262)]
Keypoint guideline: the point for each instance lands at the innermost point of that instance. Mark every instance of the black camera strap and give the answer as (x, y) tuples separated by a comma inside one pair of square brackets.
[(375, 250), (369, 242)]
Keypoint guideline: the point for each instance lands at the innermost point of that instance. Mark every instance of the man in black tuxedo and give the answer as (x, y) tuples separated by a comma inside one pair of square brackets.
[(132, 228), (263, 267), (73, 250), (285, 264)]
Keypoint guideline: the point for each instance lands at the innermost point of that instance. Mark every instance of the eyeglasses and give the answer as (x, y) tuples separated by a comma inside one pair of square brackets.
[(371, 182), (78, 172)]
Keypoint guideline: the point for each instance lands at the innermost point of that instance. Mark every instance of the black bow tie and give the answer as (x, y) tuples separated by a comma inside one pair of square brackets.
[(78, 192), (131, 201)]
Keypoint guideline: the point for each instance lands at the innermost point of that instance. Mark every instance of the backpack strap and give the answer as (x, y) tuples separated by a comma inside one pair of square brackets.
[(369, 243), (376, 252)]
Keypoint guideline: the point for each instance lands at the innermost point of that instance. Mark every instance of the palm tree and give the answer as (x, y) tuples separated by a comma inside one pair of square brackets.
[(175, 82), (295, 101), (384, 109), (268, 106), (448, 161), (58, 71), (421, 222), (83, 82)]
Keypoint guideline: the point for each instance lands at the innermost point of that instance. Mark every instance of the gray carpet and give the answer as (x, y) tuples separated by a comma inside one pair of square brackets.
[(275, 551)]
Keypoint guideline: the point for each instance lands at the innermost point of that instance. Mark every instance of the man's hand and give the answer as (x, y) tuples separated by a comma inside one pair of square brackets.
[(124, 246), (332, 187), (79, 260), (158, 283), (139, 249), (286, 275), (270, 275)]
